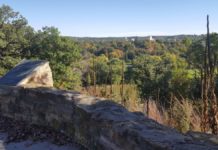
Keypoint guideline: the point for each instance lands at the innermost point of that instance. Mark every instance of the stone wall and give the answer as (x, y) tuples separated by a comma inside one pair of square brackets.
[(95, 123)]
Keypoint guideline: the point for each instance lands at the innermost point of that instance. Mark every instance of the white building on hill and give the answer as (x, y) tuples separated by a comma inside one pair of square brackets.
[(151, 38)]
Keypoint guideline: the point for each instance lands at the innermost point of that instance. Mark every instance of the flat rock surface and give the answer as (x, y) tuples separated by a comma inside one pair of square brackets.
[(30, 145), (16, 135)]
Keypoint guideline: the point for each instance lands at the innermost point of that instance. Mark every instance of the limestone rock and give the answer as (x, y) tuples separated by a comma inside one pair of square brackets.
[(29, 73), (204, 137), (94, 123)]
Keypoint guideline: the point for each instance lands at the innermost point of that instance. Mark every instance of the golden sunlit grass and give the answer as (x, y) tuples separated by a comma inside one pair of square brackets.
[(183, 114)]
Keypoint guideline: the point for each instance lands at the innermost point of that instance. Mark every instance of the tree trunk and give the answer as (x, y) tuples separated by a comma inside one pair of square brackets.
[(148, 107), (122, 85), (210, 117), (214, 119), (205, 93), (110, 70), (94, 75), (202, 83)]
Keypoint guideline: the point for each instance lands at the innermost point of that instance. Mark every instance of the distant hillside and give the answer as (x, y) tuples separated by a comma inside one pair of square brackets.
[(140, 38)]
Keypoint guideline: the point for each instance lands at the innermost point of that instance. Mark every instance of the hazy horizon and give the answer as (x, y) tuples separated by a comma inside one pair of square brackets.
[(133, 36)]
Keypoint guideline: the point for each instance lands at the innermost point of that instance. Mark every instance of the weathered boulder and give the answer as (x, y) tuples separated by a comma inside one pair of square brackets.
[(95, 123), (29, 73)]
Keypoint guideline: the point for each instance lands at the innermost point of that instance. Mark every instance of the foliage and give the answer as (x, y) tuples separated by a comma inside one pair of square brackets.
[(182, 113), (62, 53), (158, 76), (13, 32)]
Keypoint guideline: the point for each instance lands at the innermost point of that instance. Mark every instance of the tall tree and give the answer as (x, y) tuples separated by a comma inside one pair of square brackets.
[(212, 58), (209, 97), (14, 36), (62, 53)]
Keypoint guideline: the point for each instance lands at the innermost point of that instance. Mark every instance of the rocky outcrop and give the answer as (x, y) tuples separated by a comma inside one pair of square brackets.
[(29, 73), (32, 145), (95, 123)]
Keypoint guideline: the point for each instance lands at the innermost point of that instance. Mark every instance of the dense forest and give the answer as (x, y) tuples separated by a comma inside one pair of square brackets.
[(133, 71)]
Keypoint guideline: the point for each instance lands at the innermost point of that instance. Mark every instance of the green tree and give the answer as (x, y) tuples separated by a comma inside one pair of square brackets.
[(102, 69), (159, 76), (116, 72), (14, 33), (147, 74), (62, 53)]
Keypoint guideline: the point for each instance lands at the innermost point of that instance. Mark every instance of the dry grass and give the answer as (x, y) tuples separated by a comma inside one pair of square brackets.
[(183, 114), (130, 99), (156, 112)]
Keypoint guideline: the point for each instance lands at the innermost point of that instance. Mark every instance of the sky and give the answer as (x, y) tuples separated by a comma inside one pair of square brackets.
[(114, 18)]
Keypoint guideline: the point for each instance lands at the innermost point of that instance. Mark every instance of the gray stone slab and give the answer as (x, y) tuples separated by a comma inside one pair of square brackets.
[(29, 72)]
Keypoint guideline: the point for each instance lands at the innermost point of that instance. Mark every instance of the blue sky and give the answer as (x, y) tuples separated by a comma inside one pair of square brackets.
[(99, 18)]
